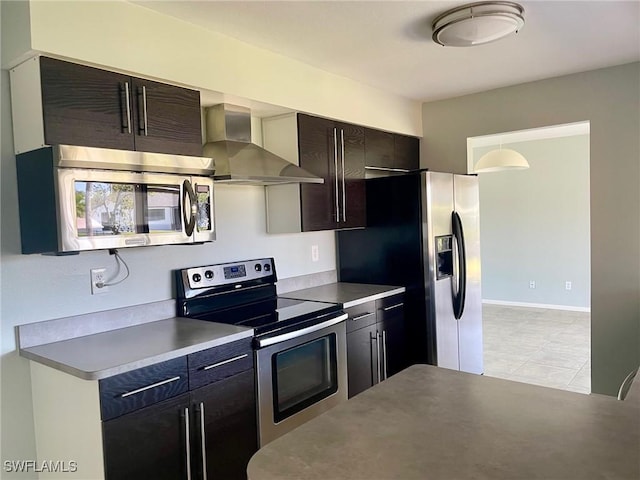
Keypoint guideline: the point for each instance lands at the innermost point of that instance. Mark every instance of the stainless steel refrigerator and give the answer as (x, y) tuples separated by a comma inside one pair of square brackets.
[(423, 233)]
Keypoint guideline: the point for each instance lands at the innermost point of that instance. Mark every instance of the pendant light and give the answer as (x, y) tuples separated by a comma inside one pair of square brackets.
[(499, 160), (477, 23)]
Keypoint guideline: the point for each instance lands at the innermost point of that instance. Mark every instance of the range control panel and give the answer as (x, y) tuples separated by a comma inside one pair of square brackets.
[(227, 273)]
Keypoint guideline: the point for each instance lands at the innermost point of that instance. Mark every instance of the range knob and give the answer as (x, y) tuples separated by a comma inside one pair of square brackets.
[(196, 277), (258, 267), (208, 274), (267, 267)]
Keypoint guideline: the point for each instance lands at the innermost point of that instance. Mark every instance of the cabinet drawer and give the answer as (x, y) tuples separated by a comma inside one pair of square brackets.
[(361, 316), (387, 306), (219, 362), (132, 390)]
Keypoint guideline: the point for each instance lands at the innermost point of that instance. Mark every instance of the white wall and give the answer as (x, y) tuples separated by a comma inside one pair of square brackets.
[(127, 37), (609, 99), (535, 225)]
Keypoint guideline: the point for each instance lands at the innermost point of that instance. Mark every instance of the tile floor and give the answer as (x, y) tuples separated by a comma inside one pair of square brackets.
[(541, 346)]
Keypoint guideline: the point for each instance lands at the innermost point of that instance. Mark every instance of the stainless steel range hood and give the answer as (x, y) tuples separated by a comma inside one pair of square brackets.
[(239, 161)]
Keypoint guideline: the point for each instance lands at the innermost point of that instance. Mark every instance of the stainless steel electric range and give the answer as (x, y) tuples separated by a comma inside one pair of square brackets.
[(300, 346)]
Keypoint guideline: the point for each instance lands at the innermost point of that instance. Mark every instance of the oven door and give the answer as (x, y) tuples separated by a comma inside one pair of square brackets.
[(300, 375)]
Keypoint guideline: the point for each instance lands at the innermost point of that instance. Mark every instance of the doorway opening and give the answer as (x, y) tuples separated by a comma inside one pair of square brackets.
[(535, 256)]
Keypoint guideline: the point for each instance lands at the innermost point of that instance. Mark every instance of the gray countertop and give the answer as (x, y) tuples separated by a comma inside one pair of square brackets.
[(101, 355), (432, 423), (345, 294)]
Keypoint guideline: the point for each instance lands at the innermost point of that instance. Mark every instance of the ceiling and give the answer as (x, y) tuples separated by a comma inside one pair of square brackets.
[(387, 44)]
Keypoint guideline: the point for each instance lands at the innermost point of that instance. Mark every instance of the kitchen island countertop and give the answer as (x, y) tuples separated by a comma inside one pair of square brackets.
[(345, 294), (432, 423)]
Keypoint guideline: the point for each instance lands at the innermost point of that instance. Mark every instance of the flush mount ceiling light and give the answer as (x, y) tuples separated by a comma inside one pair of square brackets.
[(500, 160), (477, 23)]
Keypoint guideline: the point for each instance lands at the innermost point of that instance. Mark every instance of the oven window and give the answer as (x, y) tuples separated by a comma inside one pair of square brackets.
[(304, 375)]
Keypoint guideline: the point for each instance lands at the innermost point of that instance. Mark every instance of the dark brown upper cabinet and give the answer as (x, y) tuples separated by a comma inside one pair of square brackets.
[(379, 148), (331, 150), (406, 152), (335, 152), (88, 106), (391, 152), (167, 118)]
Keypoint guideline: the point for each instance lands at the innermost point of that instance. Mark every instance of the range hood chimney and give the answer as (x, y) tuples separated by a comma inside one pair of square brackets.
[(239, 161)]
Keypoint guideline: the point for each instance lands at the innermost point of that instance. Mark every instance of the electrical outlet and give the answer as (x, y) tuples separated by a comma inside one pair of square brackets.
[(315, 254), (567, 285), (98, 277), (532, 284)]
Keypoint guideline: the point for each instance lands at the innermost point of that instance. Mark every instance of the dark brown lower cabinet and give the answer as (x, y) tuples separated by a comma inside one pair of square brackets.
[(376, 342), (393, 338), (362, 359), (149, 443), (226, 413), (210, 432)]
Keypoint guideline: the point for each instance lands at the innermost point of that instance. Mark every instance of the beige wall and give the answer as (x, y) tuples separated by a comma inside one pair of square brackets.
[(610, 100)]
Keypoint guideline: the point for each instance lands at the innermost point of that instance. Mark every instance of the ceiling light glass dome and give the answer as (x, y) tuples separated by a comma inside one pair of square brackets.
[(477, 23)]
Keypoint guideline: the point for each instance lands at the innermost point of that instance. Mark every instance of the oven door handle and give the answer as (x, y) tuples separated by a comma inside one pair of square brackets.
[(265, 342)]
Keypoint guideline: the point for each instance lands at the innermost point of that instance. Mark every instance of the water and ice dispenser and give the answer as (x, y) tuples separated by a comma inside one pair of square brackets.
[(444, 256)]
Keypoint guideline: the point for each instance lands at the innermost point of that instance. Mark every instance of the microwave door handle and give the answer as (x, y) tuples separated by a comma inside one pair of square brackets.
[(190, 208)]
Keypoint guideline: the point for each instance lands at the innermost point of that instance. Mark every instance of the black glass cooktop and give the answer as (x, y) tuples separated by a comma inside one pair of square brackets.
[(272, 315)]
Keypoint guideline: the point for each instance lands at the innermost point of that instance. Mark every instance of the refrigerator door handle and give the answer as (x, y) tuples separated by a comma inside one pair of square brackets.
[(461, 277)]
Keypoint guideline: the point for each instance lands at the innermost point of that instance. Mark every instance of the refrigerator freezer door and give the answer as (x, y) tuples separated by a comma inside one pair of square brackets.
[(466, 196), (439, 204)]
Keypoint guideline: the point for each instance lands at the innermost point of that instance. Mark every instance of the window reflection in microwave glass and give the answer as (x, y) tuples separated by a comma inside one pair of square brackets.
[(163, 214), (105, 208)]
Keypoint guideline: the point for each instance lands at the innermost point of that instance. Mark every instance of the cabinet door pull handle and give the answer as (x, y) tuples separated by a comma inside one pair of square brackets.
[(344, 188), (127, 99), (386, 309), (149, 387), (224, 362), (360, 317), (144, 108), (203, 447), (187, 442), (387, 169), (384, 352), (376, 379), (335, 162), (379, 361)]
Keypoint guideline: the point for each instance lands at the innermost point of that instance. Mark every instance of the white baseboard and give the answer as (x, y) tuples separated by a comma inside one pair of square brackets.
[(537, 305)]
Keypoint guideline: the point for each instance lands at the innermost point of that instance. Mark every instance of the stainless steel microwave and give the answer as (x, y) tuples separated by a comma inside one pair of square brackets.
[(75, 198)]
